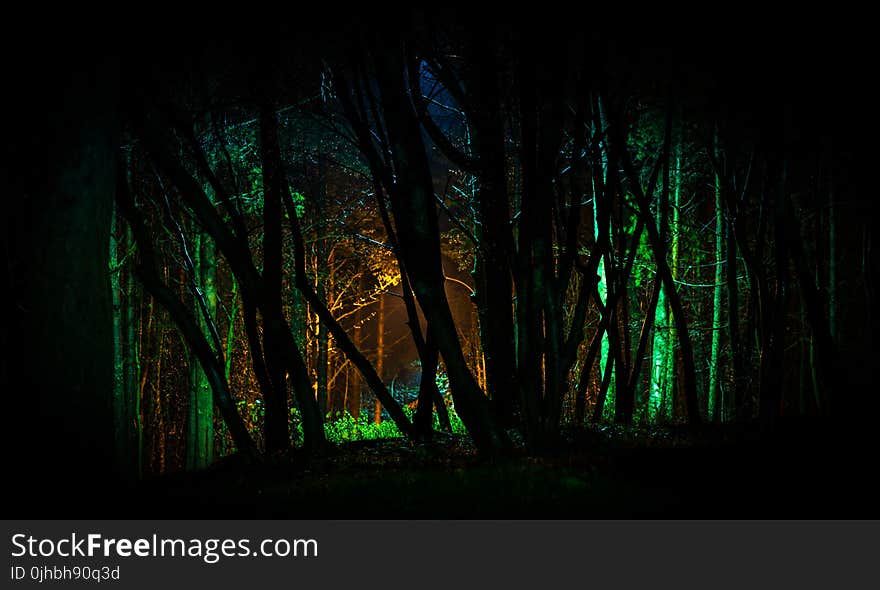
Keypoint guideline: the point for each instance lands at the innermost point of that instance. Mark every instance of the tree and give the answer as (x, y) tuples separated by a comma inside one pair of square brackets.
[(61, 326), (715, 411), (200, 424)]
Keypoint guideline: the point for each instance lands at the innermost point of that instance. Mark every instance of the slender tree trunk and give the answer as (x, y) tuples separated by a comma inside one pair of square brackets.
[(322, 359), (429, 394), (357, 340), (773, 342), (734, 401), (531, 271), (134, 428), (716, 403), (234, 246), (322, 277), (659, 247), (120, 406), (832, 262), (272, 161), (625, 399), (157, 452), (195, 375), (585, 374), (276, 419), (204, 407), (230, 350), (662, 356), (601, 401), (496, 253), (380, 354), (667, 403), (647, 330), (143, 345)]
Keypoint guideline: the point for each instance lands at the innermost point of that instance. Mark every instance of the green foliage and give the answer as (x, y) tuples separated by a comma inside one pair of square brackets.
[(454, 420), (347, 428), (252, 412), (299, 203)]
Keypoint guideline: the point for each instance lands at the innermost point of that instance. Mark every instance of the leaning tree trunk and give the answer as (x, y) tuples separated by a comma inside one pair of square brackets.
[(412, 203), (659, 248), (200, 421)]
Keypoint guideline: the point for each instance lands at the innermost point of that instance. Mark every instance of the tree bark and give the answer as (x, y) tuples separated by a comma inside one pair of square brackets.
[(277, 437), (272, 161), (716, 403), (659, 248), (57, 237)]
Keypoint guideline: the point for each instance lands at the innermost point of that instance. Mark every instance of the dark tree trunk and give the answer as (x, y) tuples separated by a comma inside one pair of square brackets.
[(60, 346), (277, 437), (412, 203), (429, 394), (495, 239), (647, 329), (736, 352)]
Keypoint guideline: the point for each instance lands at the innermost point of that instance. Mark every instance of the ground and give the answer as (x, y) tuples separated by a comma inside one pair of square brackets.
[(602, 472)]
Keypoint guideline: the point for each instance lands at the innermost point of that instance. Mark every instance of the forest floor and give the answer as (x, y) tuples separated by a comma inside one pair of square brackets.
[(798, 471)]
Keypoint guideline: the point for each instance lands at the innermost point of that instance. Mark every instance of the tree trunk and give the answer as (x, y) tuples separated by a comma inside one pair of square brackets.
[(276, 435), (412, 202), (832, 262), (773, 342), (322, 358), (647, 329), (120, 402), (132, 367), (716, 404), (429, 394), (668, 399), (195, 375), (200, 431), (61, 316), (322, 334), (230, 350), (661, 347), (380, 353)]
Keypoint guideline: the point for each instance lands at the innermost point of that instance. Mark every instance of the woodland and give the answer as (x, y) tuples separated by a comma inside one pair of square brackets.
[(439, 269)]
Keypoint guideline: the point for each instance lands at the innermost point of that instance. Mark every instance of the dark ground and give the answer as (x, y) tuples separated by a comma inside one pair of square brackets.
[(801, 470)]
